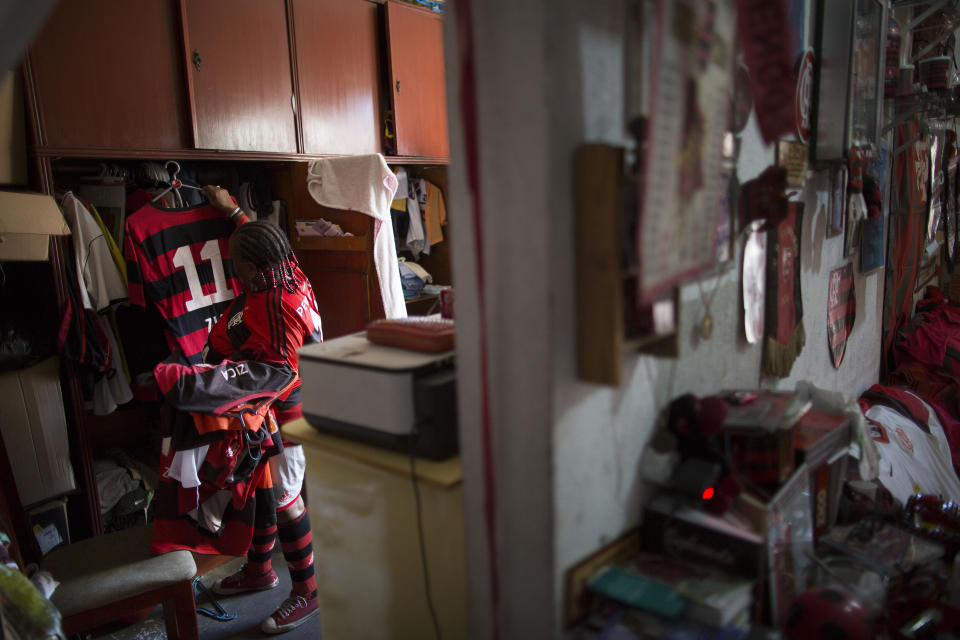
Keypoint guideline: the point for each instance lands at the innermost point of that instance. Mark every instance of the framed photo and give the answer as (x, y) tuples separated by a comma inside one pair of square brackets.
[(831, 79), (849, 50), (799, 14), (804, 63), (871, 244), (793, 157), (866, 103), (838, 201)]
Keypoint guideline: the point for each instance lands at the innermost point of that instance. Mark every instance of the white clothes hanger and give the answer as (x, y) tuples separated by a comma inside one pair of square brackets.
[(174, 184)]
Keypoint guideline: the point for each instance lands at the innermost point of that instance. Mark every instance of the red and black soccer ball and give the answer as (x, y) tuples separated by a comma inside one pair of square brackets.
[(827, 613)]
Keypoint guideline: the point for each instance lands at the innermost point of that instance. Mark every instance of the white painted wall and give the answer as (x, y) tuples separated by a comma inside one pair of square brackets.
[(511, 69), (550, 76)]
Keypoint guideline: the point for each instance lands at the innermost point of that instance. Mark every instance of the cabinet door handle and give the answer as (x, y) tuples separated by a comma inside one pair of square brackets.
[(398, 86), (197, 59)]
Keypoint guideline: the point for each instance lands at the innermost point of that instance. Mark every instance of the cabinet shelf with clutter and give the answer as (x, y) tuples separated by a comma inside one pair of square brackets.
[(340, 266)]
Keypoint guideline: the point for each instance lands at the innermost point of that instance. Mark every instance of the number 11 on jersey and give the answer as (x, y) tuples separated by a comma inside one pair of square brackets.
[(210, 252)]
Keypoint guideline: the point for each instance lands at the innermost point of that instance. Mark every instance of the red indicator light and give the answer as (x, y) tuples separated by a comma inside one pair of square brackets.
[(708, 493)]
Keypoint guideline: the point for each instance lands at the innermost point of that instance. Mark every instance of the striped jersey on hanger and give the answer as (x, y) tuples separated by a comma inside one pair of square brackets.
[(178, 261)]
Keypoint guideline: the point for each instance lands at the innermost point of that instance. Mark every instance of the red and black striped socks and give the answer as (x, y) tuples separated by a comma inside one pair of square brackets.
[(296, 540), (264, 538)]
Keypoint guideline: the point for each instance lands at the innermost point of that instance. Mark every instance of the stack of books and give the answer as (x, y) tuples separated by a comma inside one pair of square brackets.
[(674, 589), (675, 530)]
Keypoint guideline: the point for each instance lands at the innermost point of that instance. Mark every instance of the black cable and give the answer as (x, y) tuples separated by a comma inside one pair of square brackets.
[(420, 535)]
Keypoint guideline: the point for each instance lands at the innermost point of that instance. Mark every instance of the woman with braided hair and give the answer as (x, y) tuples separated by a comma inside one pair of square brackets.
[(269, 321)]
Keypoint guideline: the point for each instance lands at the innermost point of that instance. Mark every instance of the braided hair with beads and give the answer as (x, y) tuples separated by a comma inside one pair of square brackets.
[(265, 246)]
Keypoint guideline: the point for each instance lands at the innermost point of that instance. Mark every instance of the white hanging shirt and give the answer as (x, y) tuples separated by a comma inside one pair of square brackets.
[(364, 183), (101, 286), (100, 281)]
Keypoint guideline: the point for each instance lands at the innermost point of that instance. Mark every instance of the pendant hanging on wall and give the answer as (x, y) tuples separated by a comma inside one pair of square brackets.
[(754, 279), (706, 323), (783, 324), (841, 311), (706, 326)]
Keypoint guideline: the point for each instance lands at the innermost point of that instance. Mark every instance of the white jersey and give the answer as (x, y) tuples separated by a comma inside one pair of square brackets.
[(912, 461)]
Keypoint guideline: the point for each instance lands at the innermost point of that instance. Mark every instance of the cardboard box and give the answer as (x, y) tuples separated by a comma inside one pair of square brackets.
[(50, 524), (34, 428), (676, 530), (27, 220)]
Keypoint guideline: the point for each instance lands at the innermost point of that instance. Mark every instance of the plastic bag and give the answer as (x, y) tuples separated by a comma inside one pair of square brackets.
[(25, 609), (19, 347)]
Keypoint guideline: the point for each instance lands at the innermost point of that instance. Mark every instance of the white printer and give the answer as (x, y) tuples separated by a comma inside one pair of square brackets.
[(395, 398)]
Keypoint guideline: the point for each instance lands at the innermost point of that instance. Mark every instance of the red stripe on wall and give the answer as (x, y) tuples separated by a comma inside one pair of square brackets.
[(468, 112)]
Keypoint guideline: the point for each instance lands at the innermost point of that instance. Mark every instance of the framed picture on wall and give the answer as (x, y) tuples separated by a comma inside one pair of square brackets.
[(831, 79), (849, 49), (690, 78), (866, 90), (799, 16), (851, 237), (871, 244), (838, 201)]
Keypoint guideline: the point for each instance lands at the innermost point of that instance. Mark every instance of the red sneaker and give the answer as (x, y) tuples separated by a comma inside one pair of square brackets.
[(293, 612), (240, 582)]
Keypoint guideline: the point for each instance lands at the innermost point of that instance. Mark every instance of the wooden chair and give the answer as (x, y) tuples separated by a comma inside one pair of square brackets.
[(105, 578)]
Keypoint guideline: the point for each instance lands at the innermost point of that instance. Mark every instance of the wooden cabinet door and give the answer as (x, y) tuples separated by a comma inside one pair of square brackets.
[(238, 61), (107, 74), (337, 74), (417, 81), (340, 282)]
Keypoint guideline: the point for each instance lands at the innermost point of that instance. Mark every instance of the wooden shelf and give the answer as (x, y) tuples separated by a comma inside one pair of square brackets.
[(205, 154), (607, 312), (420, 160), (330, 243)]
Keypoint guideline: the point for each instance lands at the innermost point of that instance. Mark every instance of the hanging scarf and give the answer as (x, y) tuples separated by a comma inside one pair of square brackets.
[(784, 309)]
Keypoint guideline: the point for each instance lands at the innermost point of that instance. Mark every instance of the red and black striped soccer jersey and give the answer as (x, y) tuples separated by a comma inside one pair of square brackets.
[(269, 326), (178, 261)]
